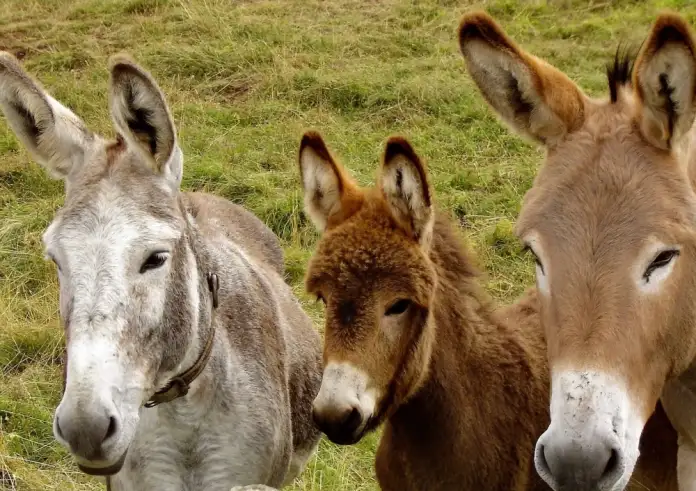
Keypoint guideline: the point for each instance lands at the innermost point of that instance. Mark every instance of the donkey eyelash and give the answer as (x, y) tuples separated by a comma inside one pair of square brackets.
[(528, 250), (49, 257)]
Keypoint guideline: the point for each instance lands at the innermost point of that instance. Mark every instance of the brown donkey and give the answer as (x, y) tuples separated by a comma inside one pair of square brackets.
[(611, 220), (411, 340)]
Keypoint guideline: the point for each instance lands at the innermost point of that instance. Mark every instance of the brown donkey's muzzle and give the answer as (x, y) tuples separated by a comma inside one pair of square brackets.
[(341, 426)]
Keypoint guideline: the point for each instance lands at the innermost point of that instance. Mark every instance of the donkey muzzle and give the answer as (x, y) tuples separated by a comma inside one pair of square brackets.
[(89, 431)]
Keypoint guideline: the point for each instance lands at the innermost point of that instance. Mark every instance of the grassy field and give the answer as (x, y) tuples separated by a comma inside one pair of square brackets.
[(244, 79)]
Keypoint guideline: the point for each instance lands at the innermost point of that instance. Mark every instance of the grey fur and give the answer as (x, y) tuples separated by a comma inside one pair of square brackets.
[(248, 418)]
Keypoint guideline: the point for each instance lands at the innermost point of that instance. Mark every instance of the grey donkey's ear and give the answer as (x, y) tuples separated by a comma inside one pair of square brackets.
[(141, 115), (54, 136)]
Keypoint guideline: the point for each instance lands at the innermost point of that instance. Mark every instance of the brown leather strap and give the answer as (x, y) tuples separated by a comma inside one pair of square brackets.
[(178, 386)]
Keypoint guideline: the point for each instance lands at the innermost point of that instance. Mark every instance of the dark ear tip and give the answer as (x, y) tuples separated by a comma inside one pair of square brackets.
[(477, 25), (399, 146), (313, 140), (671, 27), (122, 64)]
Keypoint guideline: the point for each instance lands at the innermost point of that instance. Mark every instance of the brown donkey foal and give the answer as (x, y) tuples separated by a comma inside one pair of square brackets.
[(411, 340), (611, 219)]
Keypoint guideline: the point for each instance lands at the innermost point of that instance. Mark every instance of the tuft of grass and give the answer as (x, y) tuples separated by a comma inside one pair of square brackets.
[(244, 79)]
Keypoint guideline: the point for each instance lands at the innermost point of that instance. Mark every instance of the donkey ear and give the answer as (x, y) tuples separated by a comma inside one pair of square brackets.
[(534, 98), (330, 195), (664, 78), (54, 136), (141, 115), (404, 184)]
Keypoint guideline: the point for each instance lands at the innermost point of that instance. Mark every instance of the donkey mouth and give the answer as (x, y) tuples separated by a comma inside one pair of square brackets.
[(104, 471), (345, 439), (349, 437)]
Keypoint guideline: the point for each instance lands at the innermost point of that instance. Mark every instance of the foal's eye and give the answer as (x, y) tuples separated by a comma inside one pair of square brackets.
[(156, 260), (398, 307), (662, 260)]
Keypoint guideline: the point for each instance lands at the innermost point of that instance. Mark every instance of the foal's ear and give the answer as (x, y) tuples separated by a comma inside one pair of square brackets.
[(54, 136), (531, 96), (664, 78), (404, 184), (330, 195), (141, 115)]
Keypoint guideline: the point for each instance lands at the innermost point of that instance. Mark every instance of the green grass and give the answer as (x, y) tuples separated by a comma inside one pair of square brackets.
[(244, 79)]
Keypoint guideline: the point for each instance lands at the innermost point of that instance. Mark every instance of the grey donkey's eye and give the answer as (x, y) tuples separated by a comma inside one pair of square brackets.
[(660, 261), (156, 260), (53, 260)]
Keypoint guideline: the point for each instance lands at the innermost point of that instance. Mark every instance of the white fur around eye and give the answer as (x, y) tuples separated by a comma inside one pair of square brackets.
[(542, 281), (655, 281), (542, 271)]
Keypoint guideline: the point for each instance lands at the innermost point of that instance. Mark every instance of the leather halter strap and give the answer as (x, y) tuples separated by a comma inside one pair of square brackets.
[(178, 386)]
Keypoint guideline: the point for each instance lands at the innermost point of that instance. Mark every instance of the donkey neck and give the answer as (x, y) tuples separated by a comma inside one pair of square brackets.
[(482, 376), (194, 288)]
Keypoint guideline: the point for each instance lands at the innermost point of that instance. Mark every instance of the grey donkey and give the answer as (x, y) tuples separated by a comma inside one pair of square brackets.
[(190, 364)]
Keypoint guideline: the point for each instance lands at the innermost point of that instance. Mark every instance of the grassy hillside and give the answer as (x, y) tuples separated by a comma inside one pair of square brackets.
[(244, 79)]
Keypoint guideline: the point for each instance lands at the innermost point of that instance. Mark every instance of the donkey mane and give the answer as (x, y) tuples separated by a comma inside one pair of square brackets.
[(619, 72), (456, 265)]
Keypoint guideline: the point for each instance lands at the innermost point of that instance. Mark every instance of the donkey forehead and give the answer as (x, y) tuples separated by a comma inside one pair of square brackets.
[(117, 213), (362, 256), (609, 192)]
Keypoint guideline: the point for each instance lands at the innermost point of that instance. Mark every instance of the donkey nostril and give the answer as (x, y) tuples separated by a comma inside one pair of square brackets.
[(541, 461), (353, 420), (111, 430), (58, 430), (612, 464)]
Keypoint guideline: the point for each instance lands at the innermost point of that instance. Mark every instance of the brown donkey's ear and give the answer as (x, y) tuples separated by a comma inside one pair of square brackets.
[(404, 184), (330, 195), (531, 96), (664, 78)]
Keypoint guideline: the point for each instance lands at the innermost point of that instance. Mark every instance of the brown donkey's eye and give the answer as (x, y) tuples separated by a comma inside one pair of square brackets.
[(156, 260), (398, 307), (662, 260), (536, 258)]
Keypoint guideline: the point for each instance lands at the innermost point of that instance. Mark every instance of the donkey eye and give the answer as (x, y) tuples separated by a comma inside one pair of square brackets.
[(398, 307), (156, 260), (536, 258), (662, 260), (53, 260)]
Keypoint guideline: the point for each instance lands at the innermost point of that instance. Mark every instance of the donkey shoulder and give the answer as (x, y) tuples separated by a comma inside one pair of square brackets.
[(240, 226)]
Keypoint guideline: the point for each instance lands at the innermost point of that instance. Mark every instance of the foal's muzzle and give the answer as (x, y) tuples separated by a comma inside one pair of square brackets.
[(343, 426)]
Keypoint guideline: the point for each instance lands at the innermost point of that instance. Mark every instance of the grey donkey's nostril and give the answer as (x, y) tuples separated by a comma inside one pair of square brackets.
[(113, 427)]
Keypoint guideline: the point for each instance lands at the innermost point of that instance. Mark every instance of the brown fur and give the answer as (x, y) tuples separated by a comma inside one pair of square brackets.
[(612, 182), (463, 387)]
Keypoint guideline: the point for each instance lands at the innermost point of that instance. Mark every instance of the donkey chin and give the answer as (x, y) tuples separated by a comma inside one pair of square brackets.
[(592, 443)]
